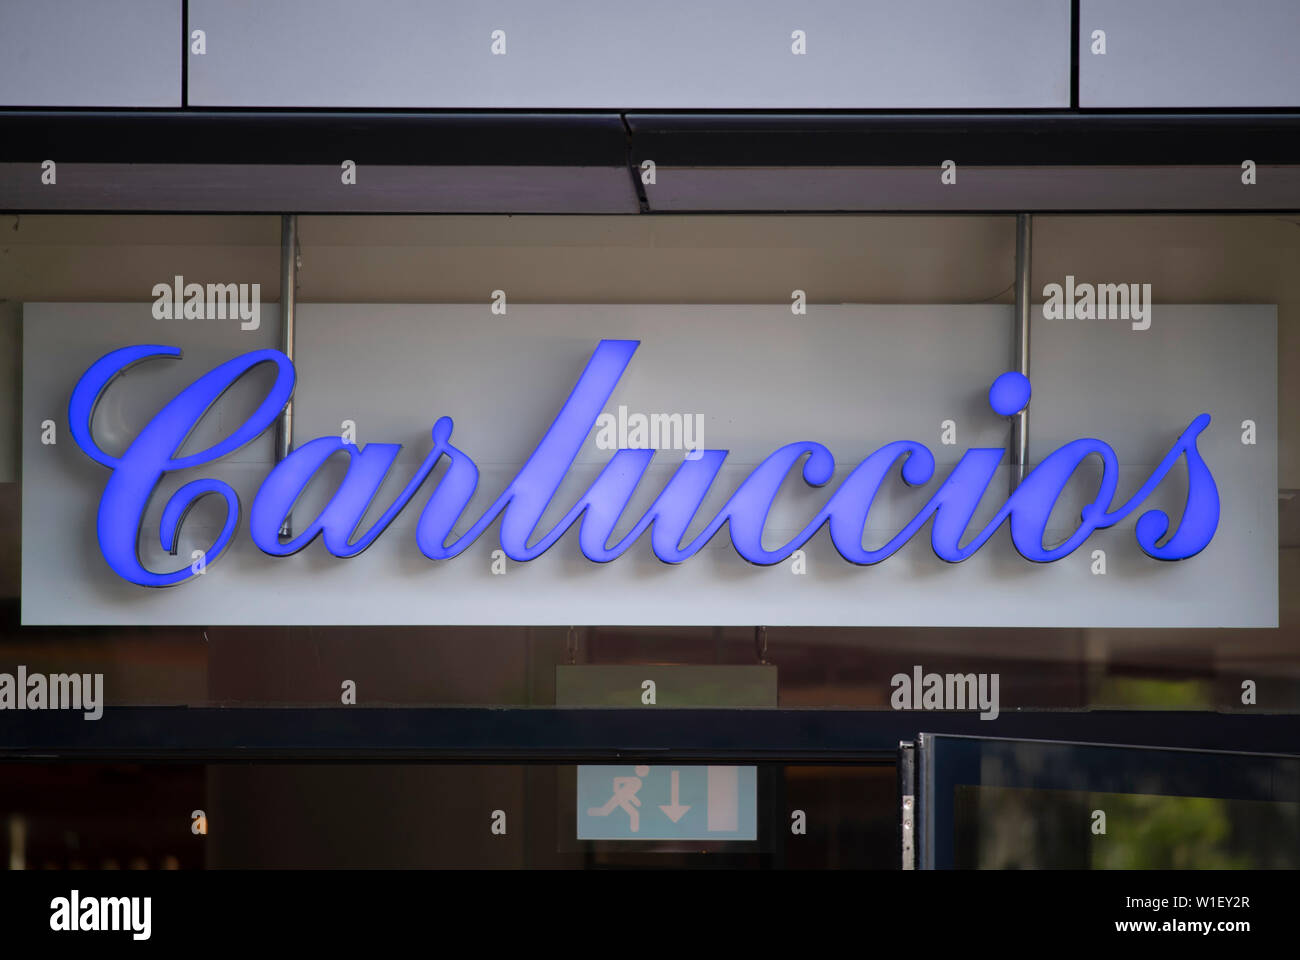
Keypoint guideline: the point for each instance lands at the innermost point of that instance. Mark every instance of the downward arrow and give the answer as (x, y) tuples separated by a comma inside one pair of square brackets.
[(674, 811)]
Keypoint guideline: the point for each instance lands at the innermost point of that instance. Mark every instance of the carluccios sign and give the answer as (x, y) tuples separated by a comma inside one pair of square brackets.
[(155, 452)]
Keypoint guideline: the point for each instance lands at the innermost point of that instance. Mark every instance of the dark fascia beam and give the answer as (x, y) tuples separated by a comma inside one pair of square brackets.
[(255, 162), (550, 138), (1030, 138), (557, 735), (313, 137), (552, 162)]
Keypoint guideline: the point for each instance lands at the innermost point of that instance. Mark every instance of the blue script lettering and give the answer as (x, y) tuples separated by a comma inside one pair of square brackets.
[(520, 507), (137, 472)]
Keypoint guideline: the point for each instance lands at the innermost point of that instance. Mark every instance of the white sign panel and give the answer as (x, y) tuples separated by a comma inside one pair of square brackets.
[(671, 464)]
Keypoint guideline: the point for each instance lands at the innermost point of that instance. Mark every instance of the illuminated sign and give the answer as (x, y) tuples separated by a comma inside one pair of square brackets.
[(155, 452), (667, 803)]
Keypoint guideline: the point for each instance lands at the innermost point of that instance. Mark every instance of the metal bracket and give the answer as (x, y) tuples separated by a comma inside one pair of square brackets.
[(907, 803)]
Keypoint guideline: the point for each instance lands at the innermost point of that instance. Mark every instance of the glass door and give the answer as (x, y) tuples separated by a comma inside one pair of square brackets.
[(985, 803)]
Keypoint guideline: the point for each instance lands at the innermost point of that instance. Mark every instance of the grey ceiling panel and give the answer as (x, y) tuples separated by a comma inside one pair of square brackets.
[(252, 188), (90, 53), (1190, 53), (299, 188), (625, 54), (977, 188)]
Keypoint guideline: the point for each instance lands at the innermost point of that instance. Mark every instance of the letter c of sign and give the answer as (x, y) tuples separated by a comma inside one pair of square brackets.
[(153, 453)]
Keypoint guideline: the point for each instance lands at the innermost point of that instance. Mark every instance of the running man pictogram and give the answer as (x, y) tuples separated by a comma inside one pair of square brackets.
[(625, 796)]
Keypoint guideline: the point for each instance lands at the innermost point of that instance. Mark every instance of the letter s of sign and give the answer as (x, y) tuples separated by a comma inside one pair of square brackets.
[(153, 453)]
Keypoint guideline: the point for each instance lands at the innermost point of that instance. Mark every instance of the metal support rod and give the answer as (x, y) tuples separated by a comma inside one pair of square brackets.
[(1020, 422), (289, 263)]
